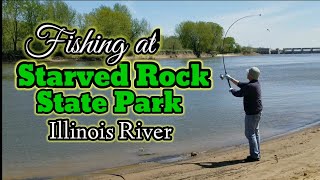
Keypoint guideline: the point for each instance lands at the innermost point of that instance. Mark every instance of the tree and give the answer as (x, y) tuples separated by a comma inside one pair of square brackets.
[(247, 50), (217, 37), (139, 28), (109, 22), (20, 18), (171, 43), (12, 14), (59, 12), (229, 45), (117, 21), (187, 35), (122, 9), (200, 36), (80, 22), (32, 12), (237, 48)]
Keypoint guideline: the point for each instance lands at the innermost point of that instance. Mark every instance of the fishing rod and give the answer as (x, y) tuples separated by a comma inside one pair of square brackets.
[(225, 35)]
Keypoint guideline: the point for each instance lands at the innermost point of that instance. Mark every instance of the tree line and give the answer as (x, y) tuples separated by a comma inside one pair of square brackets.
[(21, 17)]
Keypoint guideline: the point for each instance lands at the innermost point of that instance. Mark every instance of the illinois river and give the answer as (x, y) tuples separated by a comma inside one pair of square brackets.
[(212, 118)]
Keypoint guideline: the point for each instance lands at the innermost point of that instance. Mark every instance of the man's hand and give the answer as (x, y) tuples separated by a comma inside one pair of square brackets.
[(233, 80), (228, 77)]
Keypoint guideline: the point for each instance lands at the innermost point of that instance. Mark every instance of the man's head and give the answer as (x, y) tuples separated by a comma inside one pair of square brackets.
[(253, 73)]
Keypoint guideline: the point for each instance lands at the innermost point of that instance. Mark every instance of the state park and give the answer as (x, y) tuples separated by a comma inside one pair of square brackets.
[(147, 75)]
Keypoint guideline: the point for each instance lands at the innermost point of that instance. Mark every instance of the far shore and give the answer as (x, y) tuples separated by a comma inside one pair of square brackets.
[(186, 56), (150, 57), (292, 156)]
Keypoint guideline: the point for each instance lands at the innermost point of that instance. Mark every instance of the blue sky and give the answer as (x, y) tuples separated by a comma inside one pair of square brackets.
[(291, 24)]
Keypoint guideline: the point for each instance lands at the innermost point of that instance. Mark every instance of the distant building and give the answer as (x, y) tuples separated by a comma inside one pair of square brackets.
[(300, 50), (263, 50), (276, 51)]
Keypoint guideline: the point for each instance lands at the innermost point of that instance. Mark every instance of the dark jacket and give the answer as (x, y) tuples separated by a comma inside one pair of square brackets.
[(251, 93)]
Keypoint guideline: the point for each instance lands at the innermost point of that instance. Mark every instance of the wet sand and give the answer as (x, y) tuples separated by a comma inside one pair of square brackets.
[(293, 156)]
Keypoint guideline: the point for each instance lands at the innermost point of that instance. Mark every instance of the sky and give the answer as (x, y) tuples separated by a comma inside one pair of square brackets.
[(291, 24)]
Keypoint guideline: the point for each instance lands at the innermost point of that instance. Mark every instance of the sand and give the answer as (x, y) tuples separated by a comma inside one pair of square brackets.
[(293, 156)]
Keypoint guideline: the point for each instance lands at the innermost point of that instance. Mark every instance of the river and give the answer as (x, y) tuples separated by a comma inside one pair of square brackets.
[(212, 119)]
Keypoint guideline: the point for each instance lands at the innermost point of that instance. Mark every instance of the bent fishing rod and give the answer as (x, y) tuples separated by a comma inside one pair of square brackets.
[(225, 35)]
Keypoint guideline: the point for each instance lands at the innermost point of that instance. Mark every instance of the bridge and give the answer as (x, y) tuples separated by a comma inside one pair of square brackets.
[(288, 50), (300, 50)]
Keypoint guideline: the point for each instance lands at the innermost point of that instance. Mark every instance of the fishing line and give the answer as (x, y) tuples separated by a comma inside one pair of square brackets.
[(225, 35)]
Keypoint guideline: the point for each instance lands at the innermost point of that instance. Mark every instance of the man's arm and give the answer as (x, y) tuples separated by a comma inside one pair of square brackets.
[(243, 87), (234, 81), (243, 91), (237, 93)]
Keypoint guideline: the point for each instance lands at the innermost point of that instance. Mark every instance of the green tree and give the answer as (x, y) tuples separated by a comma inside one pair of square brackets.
[(21, 17), (200, 36), (139, 28), (247, 50), (109, 22), (33, 12), (80, 22), (229, 45), (217, 37), (237, 48), (117, 21), (171, 43), (56, 11), (59, 12), (11, 16), (187, 34), (122, 9)]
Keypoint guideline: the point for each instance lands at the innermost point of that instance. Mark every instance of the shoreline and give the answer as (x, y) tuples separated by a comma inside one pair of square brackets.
[(138, 57), (147, 168), (284, 149), (186, 56)]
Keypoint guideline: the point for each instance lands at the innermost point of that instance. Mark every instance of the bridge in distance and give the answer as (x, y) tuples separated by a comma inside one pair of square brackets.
[(288, 50)]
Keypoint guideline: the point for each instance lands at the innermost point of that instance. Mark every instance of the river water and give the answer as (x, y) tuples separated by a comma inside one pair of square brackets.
[(212, 119)]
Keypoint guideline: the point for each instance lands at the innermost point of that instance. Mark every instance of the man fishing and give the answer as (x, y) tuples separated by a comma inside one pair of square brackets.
[(251, 93)]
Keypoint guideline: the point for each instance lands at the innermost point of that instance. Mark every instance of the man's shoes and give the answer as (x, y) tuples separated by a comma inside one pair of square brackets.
[(251, 159)]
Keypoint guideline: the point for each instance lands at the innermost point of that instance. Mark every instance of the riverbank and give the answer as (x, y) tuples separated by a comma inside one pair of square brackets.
[(160, 56), (293, 156), (187, 56)]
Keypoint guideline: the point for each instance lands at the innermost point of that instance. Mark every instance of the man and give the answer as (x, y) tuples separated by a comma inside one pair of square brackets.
[(251, 93)]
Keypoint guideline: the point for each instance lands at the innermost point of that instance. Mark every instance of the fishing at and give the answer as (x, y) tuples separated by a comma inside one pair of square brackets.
[(114, 48)]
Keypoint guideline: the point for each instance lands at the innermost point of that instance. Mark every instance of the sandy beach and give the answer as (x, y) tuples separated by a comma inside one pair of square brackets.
[(292, 156)]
